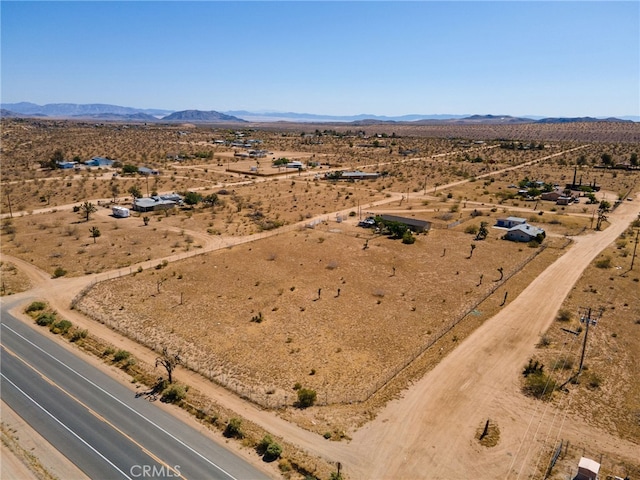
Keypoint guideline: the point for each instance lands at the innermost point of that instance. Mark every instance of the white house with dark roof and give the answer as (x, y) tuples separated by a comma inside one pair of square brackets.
[(149, 204), (524, 233)]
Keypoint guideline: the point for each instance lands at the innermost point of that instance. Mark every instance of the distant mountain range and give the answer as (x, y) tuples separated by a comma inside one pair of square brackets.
[(98, 111)]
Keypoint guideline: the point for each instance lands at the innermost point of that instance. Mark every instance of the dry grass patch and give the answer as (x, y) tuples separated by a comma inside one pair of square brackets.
[(12, 279), (62, 240)]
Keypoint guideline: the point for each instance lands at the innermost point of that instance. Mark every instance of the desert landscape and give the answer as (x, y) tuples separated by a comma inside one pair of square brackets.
[(268, 283)]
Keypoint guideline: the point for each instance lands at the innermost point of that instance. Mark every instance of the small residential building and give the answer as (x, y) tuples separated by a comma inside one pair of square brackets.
[(414, 224), (99, 162), (358, 175), (295, 164), (147, 171), (510, 222), (524, 233), (150, 204), (564, 200), (120, 212), (66, 165), (587, 469), (551, 196)]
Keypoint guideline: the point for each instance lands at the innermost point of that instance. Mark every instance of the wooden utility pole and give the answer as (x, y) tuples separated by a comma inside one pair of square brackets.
[(635, 247), (586, 318), (11, 212)]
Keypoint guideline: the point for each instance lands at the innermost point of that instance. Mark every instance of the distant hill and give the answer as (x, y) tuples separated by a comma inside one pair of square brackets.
[(581, 120), (133, 117), (4, 113), (78, 110), (312, 117), (201, 116)]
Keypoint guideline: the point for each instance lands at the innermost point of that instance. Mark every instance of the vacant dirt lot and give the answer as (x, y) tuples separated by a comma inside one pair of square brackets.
[(333, 316)]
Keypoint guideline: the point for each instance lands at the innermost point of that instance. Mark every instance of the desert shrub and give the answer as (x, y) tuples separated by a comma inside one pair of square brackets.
[(46, 318), (408, 238), (233, 428), (532, 367), (604, 262), (59, 272), (257, 318), (121, 355), (264, 444), (594, 381), (545, 341), (564, 316), (79, 334), (274, 450), (539, 385), (471, 229), (61, 326), (36, 307), (563, 363), (174, 393), (306, 397)]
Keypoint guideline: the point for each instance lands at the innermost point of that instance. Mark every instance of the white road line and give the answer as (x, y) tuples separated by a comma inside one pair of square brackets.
[(122, 403), (65, 427)]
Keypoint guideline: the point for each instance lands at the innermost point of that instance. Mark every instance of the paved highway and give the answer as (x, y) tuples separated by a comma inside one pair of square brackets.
[(98, 423)]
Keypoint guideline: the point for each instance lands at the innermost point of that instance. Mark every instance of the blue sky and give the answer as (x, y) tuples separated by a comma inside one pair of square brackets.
[(335, 58)]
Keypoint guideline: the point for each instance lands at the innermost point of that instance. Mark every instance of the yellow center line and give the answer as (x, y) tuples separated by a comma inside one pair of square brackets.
[(177, 473)]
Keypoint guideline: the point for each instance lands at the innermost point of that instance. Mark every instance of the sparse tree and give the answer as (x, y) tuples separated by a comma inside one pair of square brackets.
[(501, 270), (145, 219), (192, 198), (129, 169), (633, 159), (473, 247), (169, 361), (135, 192), (115, 191), (86, 209), (482, 232), (603, 209), (94, 233), (55, 158), (606, 159), (211, 200), (306, 397)]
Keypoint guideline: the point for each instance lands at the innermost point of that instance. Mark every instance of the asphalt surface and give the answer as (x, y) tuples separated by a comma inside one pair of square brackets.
[(99, 424)]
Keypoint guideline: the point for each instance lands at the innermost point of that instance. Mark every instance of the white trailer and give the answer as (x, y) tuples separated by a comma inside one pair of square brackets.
[(120, 212)]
